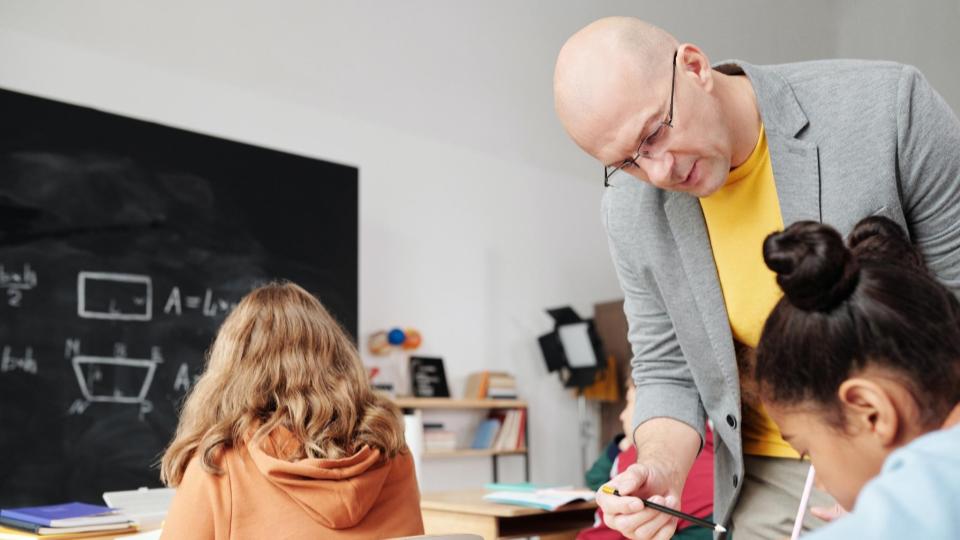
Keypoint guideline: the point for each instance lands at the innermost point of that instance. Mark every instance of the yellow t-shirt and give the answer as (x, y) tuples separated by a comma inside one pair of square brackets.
[(739, 216)]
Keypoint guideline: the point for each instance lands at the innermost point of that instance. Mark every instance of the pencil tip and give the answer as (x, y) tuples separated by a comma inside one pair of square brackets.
[(721, 528)]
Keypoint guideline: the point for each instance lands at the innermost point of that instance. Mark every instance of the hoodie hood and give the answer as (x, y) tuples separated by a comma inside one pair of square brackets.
[(337, 493)]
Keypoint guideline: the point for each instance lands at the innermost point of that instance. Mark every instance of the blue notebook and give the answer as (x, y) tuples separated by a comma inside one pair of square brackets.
[(65, 515)]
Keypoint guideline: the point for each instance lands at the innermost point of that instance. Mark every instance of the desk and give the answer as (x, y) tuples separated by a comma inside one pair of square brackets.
[(121, 536), (466, 512)]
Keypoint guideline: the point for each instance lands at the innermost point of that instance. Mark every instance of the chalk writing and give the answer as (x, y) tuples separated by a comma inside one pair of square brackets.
[(114, 296), (9, 362), (16, 282), (206, 304)]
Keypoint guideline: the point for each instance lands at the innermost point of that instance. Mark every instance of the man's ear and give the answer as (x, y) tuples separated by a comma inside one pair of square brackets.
[(867, 407), (691, 61)]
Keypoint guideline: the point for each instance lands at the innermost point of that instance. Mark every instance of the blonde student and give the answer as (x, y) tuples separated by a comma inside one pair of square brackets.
[(859, 365), (283, 437)]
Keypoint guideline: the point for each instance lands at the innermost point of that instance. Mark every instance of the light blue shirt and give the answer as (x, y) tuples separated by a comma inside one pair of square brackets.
[(916, 495)]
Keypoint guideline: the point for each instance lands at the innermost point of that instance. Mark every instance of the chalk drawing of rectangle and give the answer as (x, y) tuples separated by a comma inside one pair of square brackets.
[(103, 279), (125, 363)]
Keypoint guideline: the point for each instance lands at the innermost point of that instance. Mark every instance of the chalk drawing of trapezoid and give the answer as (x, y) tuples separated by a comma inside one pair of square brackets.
[(114, 296), (125, 368)]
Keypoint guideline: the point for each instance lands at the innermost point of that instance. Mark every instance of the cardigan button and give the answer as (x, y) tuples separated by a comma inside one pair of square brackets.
[(731, 421)]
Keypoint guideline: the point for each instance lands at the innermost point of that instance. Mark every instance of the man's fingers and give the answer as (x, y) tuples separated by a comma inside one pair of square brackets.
[(666, 533), (630, 480), (614, 506), (627, 513), (653, 527), (628, 524), (663, 526), (643, 524), (626, 483)]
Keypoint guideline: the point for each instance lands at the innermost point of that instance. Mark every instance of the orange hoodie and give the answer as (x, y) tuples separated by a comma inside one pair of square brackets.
[(263, 496)]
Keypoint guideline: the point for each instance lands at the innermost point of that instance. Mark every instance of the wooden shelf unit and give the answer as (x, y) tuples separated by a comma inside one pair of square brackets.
[(419, 404), (448, 403), (473, 452)]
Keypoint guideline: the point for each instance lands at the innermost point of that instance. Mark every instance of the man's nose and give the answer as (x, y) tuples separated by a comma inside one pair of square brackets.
[(659, 169)]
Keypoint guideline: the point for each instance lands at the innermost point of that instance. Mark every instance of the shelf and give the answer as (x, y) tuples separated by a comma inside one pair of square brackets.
[(447, 403), (472, 452), (420, 405)]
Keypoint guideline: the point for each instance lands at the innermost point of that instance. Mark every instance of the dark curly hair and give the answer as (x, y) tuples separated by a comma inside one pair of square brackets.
[(870, 302)]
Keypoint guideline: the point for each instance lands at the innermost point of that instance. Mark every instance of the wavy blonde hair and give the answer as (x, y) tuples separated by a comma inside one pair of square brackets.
[(280, 359)]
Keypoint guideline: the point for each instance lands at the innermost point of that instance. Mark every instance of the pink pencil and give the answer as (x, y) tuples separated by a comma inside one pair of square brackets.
[(804, 499)]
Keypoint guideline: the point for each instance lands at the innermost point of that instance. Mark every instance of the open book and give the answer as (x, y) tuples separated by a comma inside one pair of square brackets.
[(544, 499)]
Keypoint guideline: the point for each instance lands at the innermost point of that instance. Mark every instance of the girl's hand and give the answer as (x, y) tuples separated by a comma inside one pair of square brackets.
[(828, 513)]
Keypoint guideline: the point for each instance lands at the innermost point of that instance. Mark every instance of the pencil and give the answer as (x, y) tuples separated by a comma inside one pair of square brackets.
[(667, 510), (804, 498)]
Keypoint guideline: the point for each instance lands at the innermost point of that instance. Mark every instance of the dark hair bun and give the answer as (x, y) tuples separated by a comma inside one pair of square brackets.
[(881, 239), (814, 269)]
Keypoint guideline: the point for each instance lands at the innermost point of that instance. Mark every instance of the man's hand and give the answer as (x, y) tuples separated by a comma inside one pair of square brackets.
[(627, 513), (666, 449)]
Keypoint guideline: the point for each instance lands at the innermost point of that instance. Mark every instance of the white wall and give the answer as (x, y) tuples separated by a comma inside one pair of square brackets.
[(476, 211), (924, 34)]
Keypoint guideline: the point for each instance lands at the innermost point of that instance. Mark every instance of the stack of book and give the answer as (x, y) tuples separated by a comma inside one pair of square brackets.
[(503, 431), (491, 385), (438, 439), (73, 520)]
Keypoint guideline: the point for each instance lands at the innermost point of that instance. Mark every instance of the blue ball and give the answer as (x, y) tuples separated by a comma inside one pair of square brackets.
[(396, 336)]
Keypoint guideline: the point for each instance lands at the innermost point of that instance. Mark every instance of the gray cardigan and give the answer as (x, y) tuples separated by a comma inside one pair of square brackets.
[(847, 139)]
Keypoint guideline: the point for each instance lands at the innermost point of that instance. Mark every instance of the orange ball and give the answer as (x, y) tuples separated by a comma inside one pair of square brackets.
[(413, 339)]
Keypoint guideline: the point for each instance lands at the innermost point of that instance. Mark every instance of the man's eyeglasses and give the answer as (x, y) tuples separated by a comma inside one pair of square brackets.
[(644, 150)]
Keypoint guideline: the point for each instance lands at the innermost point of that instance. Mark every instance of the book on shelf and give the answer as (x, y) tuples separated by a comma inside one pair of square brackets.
[(544, 499), (486, 434), (439, 440), (511, 433), (476, 387), (521, 443), (501, 442), (501, 380), (491, 385), (501, 393), (502, 431)]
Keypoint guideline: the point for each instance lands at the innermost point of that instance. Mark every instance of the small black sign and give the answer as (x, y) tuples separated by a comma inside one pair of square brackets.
[(427, 377)]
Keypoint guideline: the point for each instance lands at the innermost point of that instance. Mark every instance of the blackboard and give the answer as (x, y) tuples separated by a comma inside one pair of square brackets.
[(123, 245)]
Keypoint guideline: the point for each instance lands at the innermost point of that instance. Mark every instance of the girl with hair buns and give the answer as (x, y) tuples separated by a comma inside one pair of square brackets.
[(859, 365), (283, 437)]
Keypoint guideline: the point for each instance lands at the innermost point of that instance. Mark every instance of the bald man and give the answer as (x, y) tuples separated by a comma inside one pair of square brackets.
[(701, 163)]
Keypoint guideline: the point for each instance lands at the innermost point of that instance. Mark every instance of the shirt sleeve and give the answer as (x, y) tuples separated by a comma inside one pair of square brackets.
[(200, 508), (928, 163), (665, 386)]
